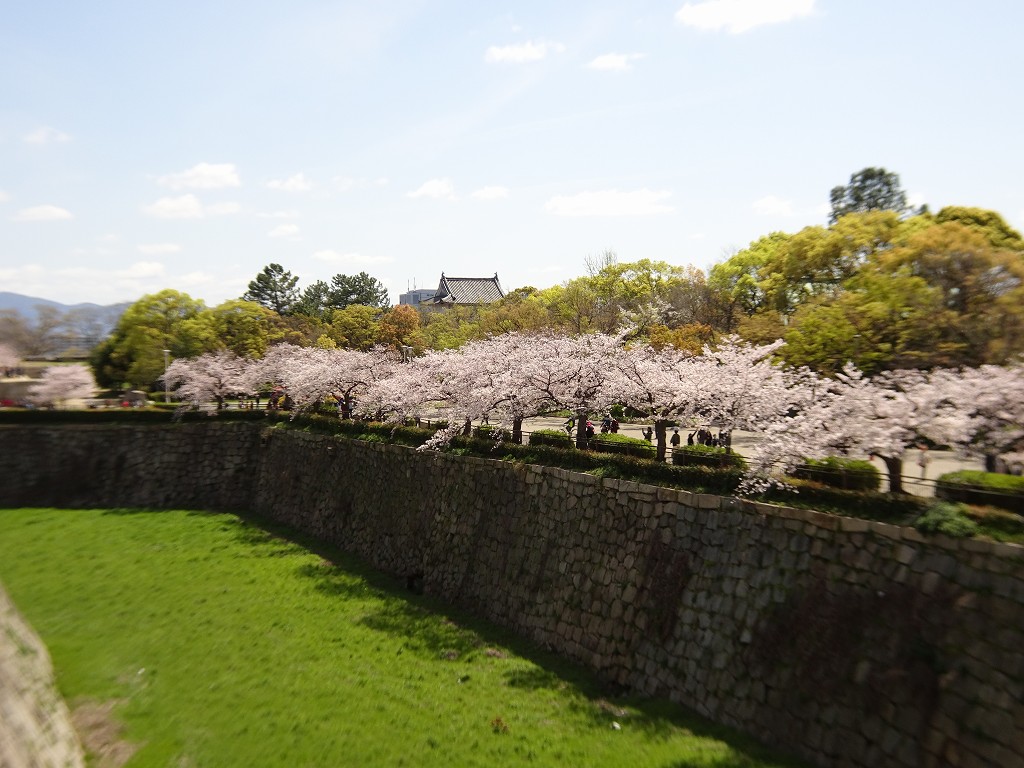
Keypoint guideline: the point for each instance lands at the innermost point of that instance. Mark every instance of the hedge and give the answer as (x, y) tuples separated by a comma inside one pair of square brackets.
[(610, 442), (841, 472), (550, 437), (707, 456), (985, 488)]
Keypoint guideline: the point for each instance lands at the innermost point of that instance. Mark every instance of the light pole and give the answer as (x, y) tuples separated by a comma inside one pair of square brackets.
[(167, 394)]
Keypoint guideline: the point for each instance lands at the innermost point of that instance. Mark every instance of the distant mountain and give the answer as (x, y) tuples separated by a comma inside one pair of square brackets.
[(26, 305), (64, 330)]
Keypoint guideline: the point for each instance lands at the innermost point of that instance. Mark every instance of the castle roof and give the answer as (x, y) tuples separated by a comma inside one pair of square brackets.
[(468, 290)]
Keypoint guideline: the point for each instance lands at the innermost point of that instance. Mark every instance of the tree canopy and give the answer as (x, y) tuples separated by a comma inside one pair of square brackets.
[(870, 189), (274, 288)]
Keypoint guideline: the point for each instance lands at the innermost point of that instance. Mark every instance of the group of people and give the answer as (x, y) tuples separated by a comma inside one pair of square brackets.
[(703, 436)]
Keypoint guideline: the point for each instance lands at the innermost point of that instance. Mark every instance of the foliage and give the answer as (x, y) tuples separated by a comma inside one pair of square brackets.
[(9, 358), (60, 383), (707, 456), (870, 189), (621, 444), (899, 509), (133, 356), (235, 626), (550, 437), (948, 518), (841, 472), (361, 289), (213, 376), (976, 487), (275, 288)]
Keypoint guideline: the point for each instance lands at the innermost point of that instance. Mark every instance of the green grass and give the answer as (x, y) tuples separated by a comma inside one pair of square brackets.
[(228, 644)]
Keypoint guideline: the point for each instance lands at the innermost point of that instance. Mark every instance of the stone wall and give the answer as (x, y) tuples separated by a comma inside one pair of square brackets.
[(848, 642)]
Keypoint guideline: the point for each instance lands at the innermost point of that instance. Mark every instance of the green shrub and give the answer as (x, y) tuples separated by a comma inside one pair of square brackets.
[(899, 509), (487, 432), (841, 472), (949, 518), (617, 412), (984, 488), (554, 437), (707, 456), (622, 444)]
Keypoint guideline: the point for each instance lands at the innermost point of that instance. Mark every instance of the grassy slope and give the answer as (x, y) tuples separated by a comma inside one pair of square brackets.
[(228, 645)]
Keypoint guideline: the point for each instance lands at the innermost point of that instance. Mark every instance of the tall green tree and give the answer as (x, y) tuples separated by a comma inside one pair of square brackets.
[(361, 289), (987, 223), (315, 300), (870, 189), (133, 355), (274, 288)]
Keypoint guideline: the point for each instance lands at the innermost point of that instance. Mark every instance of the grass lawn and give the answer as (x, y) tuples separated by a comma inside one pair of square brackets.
[(216, 642)]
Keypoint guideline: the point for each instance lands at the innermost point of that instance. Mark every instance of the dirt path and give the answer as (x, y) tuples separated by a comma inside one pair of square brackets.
[(35, 725)]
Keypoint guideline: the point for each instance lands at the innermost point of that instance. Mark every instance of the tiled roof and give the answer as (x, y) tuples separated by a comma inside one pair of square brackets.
[(468, 290)]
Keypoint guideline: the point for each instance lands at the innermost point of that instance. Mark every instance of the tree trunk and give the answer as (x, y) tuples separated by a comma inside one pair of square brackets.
[(517, 430), (581, 430), (661, 432), (990, 462), (894, 466), (467, 428)]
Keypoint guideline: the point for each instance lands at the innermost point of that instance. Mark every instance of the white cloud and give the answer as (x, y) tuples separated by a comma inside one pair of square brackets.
[(284, 230), (46, 135), (99, 284), (184, 207), (152, 249), (773, 206), (335, 257), (615, 62), (141, 269), (222, 209), (737, 16), (4, 197), (202, 176), (522, 53), (491, 193), (610, 202), (188, 207), (43, 213), (439, 189), (294, 183)]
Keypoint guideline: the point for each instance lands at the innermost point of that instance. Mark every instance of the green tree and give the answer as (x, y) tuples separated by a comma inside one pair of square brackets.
[(361, 289), (275, 289), (871, 189), (133, 356), (244, 327), (987, 223), (314, 301), (354, 327)]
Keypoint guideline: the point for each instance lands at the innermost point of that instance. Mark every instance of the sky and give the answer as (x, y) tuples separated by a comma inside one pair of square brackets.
[(187, 145)]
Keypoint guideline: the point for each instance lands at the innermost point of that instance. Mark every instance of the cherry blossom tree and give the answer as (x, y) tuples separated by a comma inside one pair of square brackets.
[(212, 376), (979, 411), (60, 383), (853, 415), (576, 373), (666, 384), (9, 358), (311, 375), (746, 389)]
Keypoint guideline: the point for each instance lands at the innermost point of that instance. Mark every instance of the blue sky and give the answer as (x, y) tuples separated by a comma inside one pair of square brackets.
[(186, 145)]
